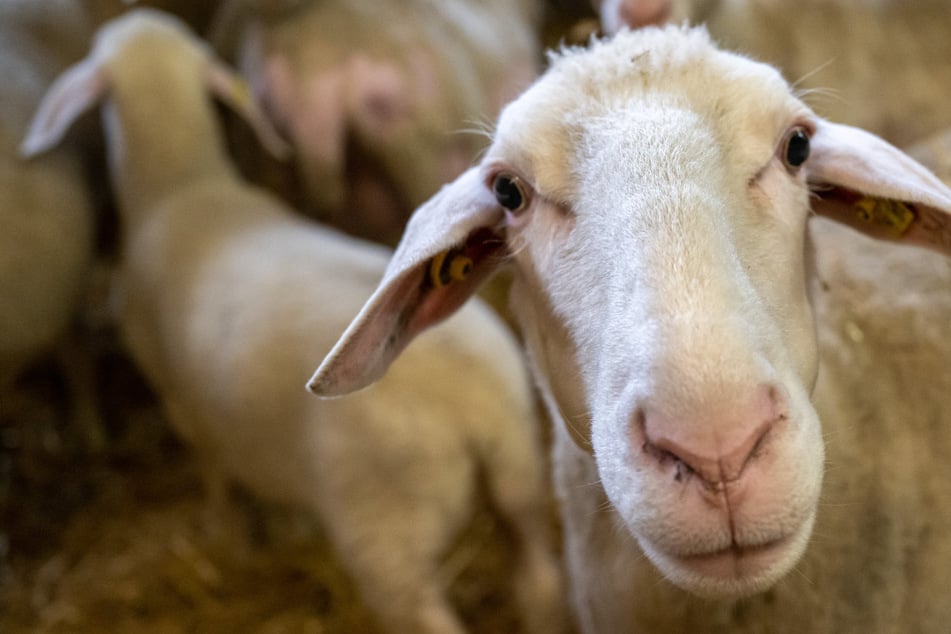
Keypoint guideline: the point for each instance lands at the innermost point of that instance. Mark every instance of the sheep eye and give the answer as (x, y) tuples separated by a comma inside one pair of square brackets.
[(509, 193), (797, 148)]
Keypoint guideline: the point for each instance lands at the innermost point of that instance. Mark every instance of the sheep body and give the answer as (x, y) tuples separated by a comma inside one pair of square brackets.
[(703, 354), (45, 205), (212, 310), (379, 98)]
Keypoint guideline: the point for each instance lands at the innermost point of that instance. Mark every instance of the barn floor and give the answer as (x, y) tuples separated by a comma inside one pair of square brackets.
[(120, 539)]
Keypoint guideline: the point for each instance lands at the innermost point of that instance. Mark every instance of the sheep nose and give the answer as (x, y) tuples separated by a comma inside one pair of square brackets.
[(717, 448), (644, 12)]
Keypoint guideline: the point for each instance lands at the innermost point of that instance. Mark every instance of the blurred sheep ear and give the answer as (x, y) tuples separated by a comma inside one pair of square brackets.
[(236, 93), (862, 181), (75, 92), (451, 245)]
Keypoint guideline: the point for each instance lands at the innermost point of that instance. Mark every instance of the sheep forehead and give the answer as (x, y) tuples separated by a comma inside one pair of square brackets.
[(744, 104), (675, 60)]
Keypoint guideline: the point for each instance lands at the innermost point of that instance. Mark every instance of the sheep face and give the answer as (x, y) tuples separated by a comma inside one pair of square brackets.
[(652, 194), (669, 249)]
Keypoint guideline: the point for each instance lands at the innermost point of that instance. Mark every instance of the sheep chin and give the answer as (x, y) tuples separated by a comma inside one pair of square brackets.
[(733, 573)]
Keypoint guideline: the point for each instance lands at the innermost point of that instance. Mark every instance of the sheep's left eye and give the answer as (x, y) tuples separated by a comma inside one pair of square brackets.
[(797, 148), (509, 193)]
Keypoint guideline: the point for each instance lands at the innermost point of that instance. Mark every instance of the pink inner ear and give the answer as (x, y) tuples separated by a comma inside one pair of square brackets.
[(887, 219), (484, 248), (862, 181), (409, 305), (464, 213)]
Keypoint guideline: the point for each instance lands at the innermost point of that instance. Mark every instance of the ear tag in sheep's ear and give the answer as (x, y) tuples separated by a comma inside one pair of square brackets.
[(449, 266), (448, 278), (861, 181), (463, 220), (892, 215)]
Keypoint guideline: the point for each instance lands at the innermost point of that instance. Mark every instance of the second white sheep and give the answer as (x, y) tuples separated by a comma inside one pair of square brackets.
[(229, 299)]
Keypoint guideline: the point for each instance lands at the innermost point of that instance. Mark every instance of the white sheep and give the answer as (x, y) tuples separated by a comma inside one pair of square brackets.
[(652, 194), (379, 98), (878, 64), (46, 207), (216, 313)]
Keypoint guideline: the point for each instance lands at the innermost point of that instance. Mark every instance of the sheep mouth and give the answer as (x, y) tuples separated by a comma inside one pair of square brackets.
[(736, 571), (736, 561)]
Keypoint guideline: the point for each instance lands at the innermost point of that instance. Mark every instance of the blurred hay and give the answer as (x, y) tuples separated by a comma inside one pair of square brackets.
[(122, 541)]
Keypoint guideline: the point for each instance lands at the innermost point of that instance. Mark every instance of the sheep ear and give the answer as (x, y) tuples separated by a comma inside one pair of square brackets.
[(862, 181), (76, 91), (450, 246), (236, 93)]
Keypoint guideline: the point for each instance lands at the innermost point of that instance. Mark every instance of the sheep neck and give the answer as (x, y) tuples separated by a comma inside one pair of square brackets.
[(159, 146)]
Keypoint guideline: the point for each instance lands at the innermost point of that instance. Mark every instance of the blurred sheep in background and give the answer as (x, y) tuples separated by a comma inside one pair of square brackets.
[(51, 212), (227, 297), (883, 65), (47, 214), (382, 100), (935, 153)]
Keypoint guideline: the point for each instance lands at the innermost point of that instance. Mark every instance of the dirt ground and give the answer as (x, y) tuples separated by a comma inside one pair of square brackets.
[(120, 539)]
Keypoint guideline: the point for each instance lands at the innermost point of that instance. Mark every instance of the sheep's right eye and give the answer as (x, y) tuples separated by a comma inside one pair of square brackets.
[(508, 191)]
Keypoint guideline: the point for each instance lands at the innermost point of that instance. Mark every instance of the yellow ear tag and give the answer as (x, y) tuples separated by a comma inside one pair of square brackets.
[(892, 214), (447, 267)]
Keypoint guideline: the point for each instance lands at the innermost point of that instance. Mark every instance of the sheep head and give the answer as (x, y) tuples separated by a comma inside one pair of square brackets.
[(652, 195)]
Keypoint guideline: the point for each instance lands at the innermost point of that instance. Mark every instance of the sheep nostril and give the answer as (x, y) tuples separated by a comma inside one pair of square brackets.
[(664, 456), (683, 470), (719, 449)]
